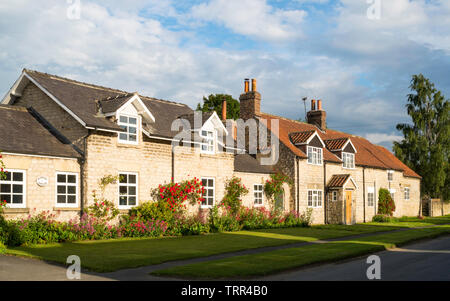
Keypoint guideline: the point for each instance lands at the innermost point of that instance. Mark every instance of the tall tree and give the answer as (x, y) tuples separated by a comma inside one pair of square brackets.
[(426, 144), (214, 102)]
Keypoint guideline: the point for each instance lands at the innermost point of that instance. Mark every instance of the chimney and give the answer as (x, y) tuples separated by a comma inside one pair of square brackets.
[(247, 84), (250, 101), (317, 117), (224, 110)]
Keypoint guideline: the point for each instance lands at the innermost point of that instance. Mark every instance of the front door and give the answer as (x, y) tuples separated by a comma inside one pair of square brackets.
[(348, 207)]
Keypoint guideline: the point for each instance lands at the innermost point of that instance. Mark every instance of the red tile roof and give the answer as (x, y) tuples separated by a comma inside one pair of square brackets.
[(368, 154), (336, 144), (301, 137), (338, 181)]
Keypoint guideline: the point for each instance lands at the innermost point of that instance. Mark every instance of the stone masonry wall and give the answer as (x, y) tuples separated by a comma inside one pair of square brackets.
[(39, 198)]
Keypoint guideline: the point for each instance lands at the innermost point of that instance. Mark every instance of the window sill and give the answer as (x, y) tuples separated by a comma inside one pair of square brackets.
[(66, 209), (16, 210)]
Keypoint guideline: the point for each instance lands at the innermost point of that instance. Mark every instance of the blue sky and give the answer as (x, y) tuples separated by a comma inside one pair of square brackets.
[(182, 50)]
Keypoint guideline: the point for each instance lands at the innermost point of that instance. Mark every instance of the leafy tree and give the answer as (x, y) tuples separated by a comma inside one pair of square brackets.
[(214, 102), (426, 143)]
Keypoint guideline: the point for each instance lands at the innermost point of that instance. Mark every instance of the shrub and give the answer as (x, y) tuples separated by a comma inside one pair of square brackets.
[(2, 168), (274, 186), (2, 248), (102, 209), (190, 225), (381, 218), (386, 204), (234, 191), (224, 221)]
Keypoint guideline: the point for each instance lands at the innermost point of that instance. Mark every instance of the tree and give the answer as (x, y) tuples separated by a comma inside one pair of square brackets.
[(426, 143), (214, 102)]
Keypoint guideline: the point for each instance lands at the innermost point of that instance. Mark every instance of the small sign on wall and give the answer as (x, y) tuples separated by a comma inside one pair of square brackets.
[(42, 181)]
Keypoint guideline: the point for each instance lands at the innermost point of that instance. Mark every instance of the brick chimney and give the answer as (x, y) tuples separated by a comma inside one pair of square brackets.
[(250, 101), (317, 117)]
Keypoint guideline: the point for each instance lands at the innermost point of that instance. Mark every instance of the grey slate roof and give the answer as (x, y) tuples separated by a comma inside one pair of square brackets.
[(80, 98), (22, 133), (246, 163)]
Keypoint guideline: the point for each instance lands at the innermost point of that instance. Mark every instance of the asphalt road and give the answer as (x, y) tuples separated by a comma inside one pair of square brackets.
[(426, 261)]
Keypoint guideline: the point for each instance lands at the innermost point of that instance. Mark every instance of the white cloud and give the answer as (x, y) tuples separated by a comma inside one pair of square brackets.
[(378, 138), (252, 18)]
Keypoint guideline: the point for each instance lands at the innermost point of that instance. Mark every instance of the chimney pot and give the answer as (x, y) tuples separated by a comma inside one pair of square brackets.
[(224, 110), (319, 105), (254, 85), (313, 105), (247, 85)]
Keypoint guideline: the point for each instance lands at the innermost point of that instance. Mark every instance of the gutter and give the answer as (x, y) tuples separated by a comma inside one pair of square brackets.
[(325, 205), (364, 193)]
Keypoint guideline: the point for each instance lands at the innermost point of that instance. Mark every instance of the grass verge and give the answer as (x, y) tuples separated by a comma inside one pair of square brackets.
[(112, 255), (281, 260)]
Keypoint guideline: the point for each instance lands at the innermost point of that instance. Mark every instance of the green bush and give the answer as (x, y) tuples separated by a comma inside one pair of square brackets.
[(224, 221), (234, 191), (386, 204), (153, 210), (2, 248), (381, 218)]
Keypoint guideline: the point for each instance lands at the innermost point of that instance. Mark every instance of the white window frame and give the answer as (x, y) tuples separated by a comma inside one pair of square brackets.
[(348, 160), (392, 193), (77, 194), (390, 175), (138, 122), (210, 142), (206, 189), (24, 190), (315, 155), (334, 195), (370, 192), (407, 193), (255, 198), (128, 185), (314, 203)]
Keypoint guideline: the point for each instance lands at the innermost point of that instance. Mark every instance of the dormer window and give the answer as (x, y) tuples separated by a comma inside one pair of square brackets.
[(348, 159), (130, 125), (208, 142), (314, 155)]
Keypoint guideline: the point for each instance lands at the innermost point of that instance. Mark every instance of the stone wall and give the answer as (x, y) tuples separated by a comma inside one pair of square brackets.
[(37, 198)]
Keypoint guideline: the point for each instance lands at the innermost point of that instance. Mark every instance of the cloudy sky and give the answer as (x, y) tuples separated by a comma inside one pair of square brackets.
[(355, 55)]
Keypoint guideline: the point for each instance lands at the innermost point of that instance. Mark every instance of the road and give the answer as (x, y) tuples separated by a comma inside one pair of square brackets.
[(426, 261)]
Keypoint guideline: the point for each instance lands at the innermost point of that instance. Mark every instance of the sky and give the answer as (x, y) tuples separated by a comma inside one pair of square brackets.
[(358, 56)]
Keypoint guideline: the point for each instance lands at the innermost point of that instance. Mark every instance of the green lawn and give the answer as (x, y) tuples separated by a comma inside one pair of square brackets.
[(416, 222), (276, 261), (112, 255)]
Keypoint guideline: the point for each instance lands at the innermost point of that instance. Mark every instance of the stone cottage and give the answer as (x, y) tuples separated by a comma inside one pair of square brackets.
[(59, 136)]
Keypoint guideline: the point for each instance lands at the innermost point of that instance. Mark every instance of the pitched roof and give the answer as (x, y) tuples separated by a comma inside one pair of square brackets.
[(336, 144), (80, 98), (21, 132), (338, 181), (301, 137), (368, 154), (247, 163), (191, 118)]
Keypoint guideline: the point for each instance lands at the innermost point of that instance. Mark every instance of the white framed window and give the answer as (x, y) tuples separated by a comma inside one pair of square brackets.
[(130, 125), (370, 196), (392, 192), (348, 160), (315, 198), (407, 190), (314, 155), (128, 188), (258, 194), (12, 189), (209, 186), (390, 175), (334, 195), (66, 189), (208, 142)]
